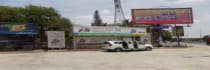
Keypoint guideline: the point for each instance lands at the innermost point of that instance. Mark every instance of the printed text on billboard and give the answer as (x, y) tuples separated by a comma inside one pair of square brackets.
[(162, 16)]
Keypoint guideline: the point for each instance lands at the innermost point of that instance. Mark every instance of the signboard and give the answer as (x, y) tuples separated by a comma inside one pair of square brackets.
[(26, 29), (178, 31), (160, 27), (95, 40), (162, 16), (108, 31), (85, 29), (56, 39)]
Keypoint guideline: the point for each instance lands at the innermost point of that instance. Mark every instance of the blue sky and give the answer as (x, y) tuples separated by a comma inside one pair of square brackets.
[(81, 11)]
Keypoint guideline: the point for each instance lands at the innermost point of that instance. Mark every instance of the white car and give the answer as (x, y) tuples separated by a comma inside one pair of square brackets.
[(125, 45)]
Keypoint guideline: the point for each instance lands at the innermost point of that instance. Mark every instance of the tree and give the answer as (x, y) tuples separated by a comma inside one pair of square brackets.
[(97, 20), (205, 38), (46, 18), (12, 14), (127, 23), (166, 35)]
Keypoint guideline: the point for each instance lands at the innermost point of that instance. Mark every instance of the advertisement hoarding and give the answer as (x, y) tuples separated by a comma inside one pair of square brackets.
[(26, 29), (56, 39), (162, 16)]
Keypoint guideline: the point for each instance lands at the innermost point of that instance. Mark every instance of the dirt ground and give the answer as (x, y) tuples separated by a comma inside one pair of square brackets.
[(194, 58)]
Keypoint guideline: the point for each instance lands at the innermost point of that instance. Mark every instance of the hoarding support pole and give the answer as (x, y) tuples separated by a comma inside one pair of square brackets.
[(177, 37), (159, 36), (153, 39)]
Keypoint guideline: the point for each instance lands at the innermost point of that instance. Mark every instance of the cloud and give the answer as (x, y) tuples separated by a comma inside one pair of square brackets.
[(84, 17), (83, 20), (106, 15), (197, 21), (208, 16), (189, 1), (108, 19), (87, 19), (106, 11), (184, 1)]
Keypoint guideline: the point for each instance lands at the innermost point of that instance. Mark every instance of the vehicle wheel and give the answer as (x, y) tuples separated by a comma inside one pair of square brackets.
[(148, 49), (108, 50), (208, 44), (118, 50)]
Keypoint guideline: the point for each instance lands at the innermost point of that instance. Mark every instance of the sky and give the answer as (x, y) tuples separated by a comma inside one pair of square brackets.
[(81, 11)]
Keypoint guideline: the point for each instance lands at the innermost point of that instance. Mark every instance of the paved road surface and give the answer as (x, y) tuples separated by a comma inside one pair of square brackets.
[(195, 58)]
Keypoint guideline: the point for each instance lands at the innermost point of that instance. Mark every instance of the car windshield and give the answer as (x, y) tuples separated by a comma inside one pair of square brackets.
[(117, 42)]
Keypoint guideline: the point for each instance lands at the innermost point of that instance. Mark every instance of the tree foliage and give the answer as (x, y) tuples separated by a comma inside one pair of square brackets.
[(97, 20), (205, 38), (10, 14), (127, 23), (46, 18), (166, 35)]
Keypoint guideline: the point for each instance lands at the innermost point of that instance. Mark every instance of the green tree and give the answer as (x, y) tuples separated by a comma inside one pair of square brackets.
[(10, 14), (47, 18), (97, 20), (205, 38), (166, 35), (127, 23)]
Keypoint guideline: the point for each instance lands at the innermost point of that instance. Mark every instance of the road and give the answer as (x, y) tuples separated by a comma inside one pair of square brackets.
[(194, 58)]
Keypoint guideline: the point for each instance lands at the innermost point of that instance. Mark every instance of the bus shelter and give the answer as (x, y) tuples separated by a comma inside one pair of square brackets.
[(87, 37), (15, 36)]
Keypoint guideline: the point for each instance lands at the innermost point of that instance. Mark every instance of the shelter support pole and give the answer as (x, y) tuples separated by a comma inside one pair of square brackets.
[(75, 42)]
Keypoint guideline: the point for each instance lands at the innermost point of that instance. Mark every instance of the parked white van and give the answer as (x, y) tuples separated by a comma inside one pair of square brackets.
[(125, 45)]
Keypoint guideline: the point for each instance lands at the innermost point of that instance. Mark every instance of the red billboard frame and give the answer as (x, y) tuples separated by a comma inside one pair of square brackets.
[(162, 16)]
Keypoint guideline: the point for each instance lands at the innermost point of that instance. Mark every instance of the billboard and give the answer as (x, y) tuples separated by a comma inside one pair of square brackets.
[(26, 29), (162, 16), (56, 39)]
